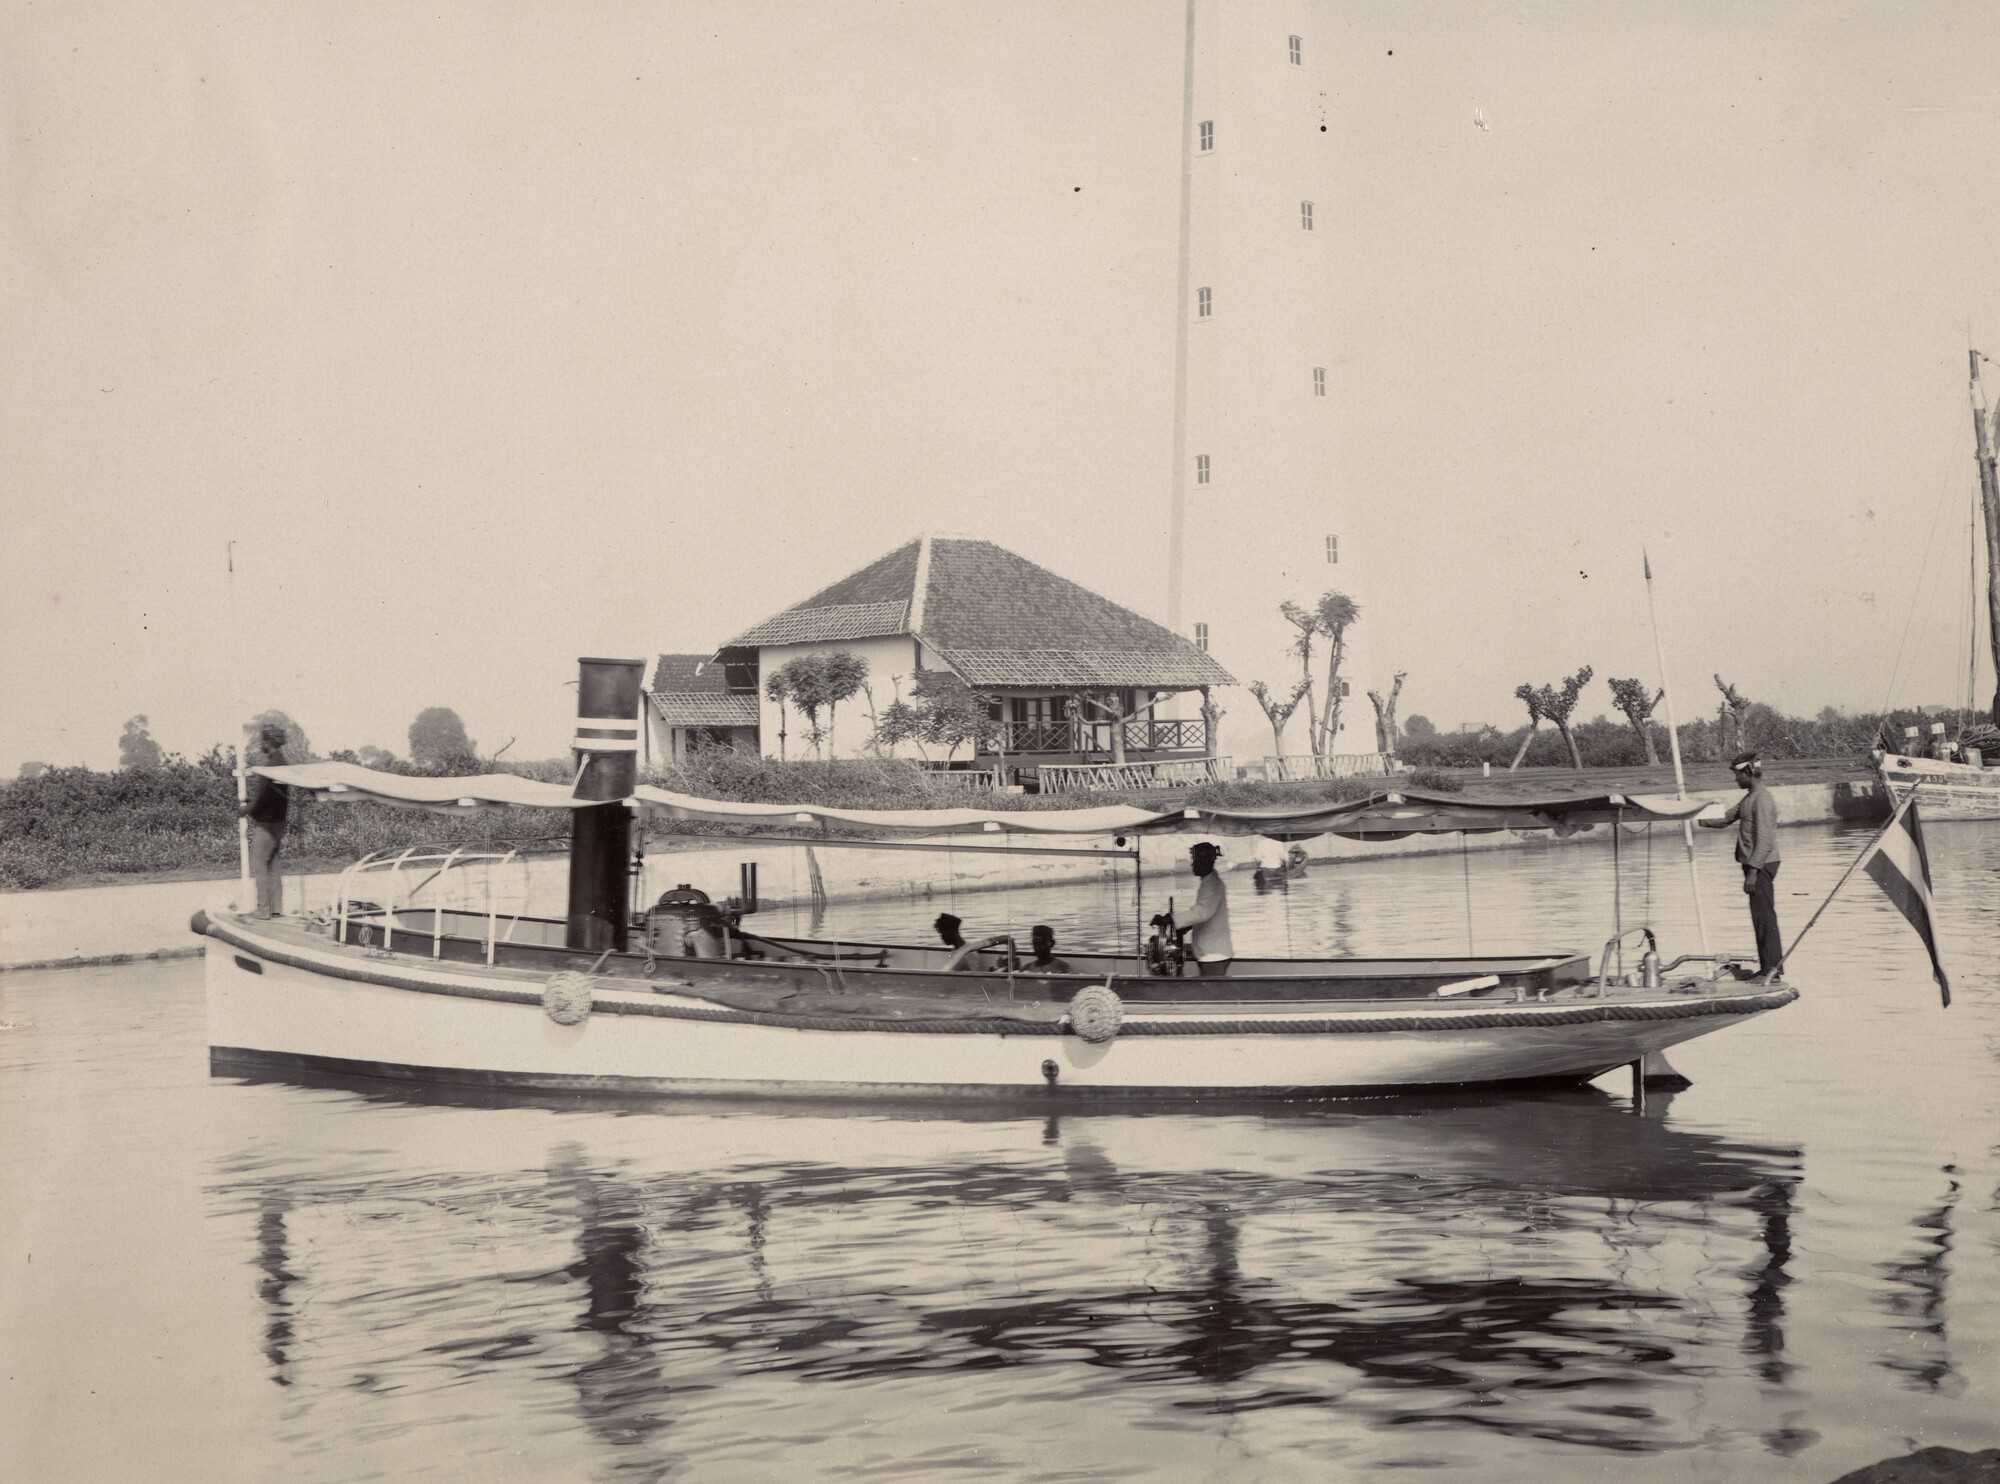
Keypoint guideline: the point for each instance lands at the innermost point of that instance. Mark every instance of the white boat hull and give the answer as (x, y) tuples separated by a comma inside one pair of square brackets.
[(284, 1004), (1944, 790)]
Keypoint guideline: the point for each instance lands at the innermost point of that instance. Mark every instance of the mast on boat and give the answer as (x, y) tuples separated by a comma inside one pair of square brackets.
[(1989, 501)]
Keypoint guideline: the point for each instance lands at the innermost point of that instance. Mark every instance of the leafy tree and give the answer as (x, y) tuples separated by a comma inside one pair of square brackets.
[(1632, 698), (1278, 712), (943, 711), (437, 738), (136, 747), (842, 674), (372, 756), (297, 748), (813, 681), (1557, 704), (1385, 714), (1419, 726), (1336, 613), (33, 770)]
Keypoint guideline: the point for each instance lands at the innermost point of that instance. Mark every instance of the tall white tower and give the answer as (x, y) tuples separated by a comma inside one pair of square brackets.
[(1256, 505)]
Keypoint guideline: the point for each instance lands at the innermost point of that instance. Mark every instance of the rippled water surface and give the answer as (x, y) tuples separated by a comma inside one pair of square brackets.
[(1785, 1272)]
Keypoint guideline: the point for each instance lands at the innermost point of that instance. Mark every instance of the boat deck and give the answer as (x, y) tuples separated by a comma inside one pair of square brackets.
[(865, 983)]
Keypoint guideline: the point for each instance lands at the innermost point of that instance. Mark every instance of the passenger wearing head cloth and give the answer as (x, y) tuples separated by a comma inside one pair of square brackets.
[(1206, 926), (1755, 816)]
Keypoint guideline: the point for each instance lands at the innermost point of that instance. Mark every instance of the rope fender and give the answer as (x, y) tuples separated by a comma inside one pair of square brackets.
[(1753, 1004)]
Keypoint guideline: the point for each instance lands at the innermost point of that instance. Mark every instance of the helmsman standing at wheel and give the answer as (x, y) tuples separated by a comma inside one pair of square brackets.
[(1205, 929)]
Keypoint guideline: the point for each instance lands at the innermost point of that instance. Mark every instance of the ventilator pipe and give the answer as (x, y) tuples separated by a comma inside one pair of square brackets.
[(606, 756)]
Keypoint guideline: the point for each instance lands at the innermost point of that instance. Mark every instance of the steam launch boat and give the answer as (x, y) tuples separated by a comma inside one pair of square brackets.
[(417, 974)]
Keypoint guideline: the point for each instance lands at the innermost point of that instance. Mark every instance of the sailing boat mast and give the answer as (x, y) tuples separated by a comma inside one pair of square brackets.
[(1989, 501)]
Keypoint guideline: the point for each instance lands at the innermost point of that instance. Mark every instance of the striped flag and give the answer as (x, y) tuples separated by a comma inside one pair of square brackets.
[(1902, 868)]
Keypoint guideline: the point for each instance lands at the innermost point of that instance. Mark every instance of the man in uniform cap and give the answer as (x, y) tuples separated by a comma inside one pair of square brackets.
[(1207, 924), (1755, 816)]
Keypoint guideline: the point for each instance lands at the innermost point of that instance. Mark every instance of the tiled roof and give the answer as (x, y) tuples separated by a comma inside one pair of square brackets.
[(692, 690), (684, 672), (1010, 621), (1116, 667), (814, 625), (705, 708)]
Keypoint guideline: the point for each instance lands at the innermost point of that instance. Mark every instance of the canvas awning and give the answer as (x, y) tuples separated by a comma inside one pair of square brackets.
[(350, 783), (1383, 816), (1388, 815)]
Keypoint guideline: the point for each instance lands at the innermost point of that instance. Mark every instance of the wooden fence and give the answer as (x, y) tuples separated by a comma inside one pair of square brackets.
[(1063, 778), (1338, 765)]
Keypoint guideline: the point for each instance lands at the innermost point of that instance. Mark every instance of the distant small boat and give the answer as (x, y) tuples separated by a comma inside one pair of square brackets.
[(1277, 878), (1961, 780)]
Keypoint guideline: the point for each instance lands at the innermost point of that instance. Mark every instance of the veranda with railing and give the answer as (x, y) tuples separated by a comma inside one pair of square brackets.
[(1018, 738)]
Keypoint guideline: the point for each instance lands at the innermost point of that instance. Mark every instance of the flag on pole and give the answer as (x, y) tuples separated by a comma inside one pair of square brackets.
[(1902, 868)]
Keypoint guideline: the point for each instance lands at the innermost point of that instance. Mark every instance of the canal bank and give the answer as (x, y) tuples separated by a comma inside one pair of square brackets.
[(80, 926)]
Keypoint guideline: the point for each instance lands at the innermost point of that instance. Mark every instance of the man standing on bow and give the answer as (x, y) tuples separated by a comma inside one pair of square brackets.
[(1755, 816), (1206, 927), (266, 808)]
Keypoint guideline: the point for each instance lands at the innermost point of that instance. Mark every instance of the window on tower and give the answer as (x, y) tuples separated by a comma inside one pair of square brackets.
[(1201, 471), (1319, 381), (1204, 301), (1333, 549), (1208, 134), (1306, 215), (1201, 637), (1298, 51)]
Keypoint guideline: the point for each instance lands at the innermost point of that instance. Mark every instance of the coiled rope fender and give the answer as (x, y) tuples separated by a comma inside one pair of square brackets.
[(1096, 1013), (567, 998)]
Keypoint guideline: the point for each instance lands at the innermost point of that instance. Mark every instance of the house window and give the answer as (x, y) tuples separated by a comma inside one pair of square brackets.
[(1319, 381), (1207, 135), (1298, 47), (1306, 215), (1201, 471), (1204, 301), (1201, 637), (1332, 549)]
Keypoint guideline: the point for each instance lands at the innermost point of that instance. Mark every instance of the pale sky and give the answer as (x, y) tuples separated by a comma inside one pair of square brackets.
[(496, 334)]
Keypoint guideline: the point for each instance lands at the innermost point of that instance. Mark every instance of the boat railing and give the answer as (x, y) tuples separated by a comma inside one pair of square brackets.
[(385, 887)]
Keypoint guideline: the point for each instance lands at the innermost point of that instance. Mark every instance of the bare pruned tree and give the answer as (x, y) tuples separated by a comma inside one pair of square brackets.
[(1729, 717), (1528, 696), (1385, 714), (1278, 712)]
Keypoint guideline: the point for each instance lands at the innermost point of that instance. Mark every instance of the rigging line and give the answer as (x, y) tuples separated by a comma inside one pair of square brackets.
[(1917, 593)]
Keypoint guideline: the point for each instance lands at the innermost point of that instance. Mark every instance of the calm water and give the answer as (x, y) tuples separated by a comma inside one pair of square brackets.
[(1783, 1273)]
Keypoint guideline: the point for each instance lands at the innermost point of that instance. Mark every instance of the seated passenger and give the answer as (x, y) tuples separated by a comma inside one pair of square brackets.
[(964, 955), (1045, 961)]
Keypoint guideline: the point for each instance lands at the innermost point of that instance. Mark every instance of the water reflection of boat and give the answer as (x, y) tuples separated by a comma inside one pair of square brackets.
[(1281, 1257), (402, 986)]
